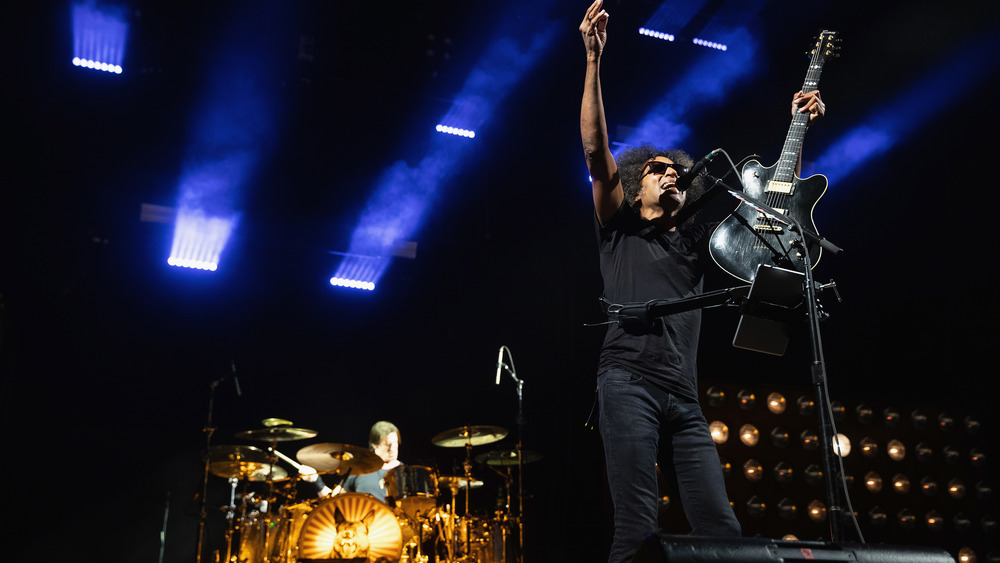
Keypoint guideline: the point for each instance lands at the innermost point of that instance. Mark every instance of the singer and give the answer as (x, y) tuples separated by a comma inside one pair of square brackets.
[(647, 376)]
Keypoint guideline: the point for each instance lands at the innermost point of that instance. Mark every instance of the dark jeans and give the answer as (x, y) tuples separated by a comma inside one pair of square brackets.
[(640, 424)]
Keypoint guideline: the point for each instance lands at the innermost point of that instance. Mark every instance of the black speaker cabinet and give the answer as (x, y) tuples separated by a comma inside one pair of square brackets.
[(690, 549)]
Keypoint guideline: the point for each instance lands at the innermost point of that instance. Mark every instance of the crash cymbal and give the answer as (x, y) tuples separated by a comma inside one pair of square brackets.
[(277, 434), (507, 457), (338, 458), (457, 482), (245, 463), (271, 422), (469, 435)]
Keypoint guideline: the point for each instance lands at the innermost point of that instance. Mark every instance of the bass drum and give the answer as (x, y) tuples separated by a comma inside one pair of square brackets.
[(282, 541), (350, 526)]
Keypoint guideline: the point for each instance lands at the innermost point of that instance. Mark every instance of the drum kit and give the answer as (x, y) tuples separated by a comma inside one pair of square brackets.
[(420, 521)]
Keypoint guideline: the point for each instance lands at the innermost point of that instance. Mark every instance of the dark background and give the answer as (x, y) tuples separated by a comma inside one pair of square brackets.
[(109, 355)]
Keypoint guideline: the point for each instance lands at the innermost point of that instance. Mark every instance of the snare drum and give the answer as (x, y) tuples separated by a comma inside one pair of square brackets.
[(414, 490), (350, 525), (283, 538)]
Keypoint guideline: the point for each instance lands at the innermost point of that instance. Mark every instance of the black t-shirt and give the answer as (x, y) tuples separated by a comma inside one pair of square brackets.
[(639, 262)]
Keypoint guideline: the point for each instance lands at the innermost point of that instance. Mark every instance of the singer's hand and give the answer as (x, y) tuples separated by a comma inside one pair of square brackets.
[(809, 102), (594, 29)]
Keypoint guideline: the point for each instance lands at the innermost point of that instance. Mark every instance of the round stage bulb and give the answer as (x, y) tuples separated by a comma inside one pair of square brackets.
[(776, 403), (896, 450), (817, 511), (873, 482), (719, 431), (841, 445), (749, 435), (869, 448)]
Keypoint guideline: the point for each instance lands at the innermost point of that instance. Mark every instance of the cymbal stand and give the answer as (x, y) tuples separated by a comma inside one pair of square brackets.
[(466, 520), (231, 518), (519, 446), (202, 501)]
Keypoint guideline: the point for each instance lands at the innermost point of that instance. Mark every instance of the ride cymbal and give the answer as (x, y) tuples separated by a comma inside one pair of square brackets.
[(277, 434), (469, 435), (245, 463), (457, 482), (507, 457), (338, 458)]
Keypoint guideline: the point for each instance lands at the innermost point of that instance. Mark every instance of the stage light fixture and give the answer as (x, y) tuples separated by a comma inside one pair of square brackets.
[(951, 455), (783, 472), (719, 431), (977, 457), (710, 44), (956, 489), (353, 284), (746, 399), (984, 491), (776, 403), (946, 422), (813, 475), (457, 131), (716, 396), (727, 467), (928, 486), (923, 453), (918, 419), (877, 516), (756, 507), (809, 439), (901, 484), (906, 519), (972, 425), (961, 522), (934, 521), (753, 470), (779, 437), (805, 405), (896, 450), (655, 34), (864, 413), (816, 511), (966, 555), (869, 448), (841, 445), (787, 509), (873, 482), (99, 37), (837, 409), (749, 435), (199, 239), (790, 537), (891, 417), (988, 524)]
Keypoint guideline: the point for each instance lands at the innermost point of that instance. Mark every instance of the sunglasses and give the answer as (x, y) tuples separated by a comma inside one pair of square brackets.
[(660, 167)]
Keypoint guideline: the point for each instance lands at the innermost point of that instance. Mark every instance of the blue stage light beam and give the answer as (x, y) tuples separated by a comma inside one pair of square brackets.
[(403, 194), (230, 134), (705, 82), (99, 37), (951, 81)]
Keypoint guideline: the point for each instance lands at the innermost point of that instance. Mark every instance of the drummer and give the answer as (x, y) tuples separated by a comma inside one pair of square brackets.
[(383, 439)]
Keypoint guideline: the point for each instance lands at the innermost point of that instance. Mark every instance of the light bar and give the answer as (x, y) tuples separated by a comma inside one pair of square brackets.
[(357, 271), (455, 131), (655, 34), (199, 240), (709, 44), (98, 39), (353, 284)]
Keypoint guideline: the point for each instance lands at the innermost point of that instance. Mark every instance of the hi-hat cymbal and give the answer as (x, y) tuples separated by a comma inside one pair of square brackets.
[(469, 435), (338, 458), (457, 482), (245, 463), (507, 457), (277, 434)]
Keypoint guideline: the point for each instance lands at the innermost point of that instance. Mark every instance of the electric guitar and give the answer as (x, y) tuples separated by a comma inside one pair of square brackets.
[(748, 238)]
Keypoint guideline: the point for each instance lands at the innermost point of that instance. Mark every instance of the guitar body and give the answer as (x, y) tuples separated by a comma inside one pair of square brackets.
[(747, 238)]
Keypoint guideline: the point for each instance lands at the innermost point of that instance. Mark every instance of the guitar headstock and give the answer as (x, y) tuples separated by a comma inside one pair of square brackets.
[(825, 46)]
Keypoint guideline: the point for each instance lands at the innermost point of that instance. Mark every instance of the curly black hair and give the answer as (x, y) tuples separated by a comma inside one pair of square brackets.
[(632, 161)]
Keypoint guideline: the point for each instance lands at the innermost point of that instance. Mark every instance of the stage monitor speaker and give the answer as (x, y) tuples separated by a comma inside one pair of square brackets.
[(691, 549)]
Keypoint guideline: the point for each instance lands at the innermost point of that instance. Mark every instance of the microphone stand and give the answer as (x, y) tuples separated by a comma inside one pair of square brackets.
[(818, 365), (519, 447), (208, 430)]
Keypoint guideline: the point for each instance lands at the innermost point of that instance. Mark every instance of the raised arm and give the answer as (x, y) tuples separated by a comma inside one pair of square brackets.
[(607, 186)]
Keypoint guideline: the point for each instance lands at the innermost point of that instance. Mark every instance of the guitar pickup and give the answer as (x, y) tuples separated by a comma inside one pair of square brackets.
[(769, 225), (779, 187)]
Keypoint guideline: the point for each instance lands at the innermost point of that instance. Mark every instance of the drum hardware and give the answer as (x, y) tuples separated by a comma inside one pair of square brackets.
[(508, 457), (276, 434)]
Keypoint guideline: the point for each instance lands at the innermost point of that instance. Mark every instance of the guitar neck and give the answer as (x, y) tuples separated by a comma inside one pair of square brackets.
[(784, 171)]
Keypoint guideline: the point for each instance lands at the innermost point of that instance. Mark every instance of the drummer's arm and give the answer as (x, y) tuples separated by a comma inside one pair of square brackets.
[(309, 475)]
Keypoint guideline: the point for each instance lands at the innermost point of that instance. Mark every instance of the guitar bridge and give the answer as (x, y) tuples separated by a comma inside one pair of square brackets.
[(769, 225), (779, 187)]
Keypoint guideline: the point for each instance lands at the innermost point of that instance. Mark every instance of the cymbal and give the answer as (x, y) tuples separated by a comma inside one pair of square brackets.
[(507, 457), (469, 435), (245, 463), (277, 434), (457, 482), (338, 458)]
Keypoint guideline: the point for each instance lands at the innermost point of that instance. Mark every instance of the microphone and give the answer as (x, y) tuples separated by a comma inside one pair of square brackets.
[(499, 364), (684, 180)]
